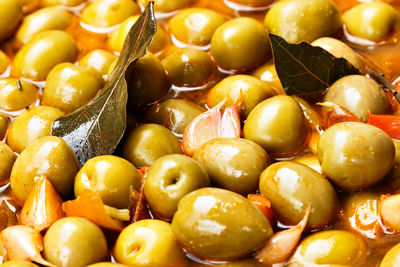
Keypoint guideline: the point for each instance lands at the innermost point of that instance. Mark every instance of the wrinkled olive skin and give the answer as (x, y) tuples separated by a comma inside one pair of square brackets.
[(267, 73), (149, 142), (240, 43), (213, 223), (11, 15), (69, 86), (372, 21), (303, 21), (168, 5), (50, 156), (62, 2), (292, 186), (169, 179), (392, 257), (3, 125), (175, 114), (107, 264), (188, 66), (17, 263), (4, 62), (15, 97), (309, 160), (74, 241), (355, 155), (233, 163), (252, 90), (330, 248), (358, 94), (49, 18), (7, 158), (146, 83), (99, 60), (147, 243), (109, 176), (43, 52), (195, 26), (106, 13), (31, 125), (277, 124)]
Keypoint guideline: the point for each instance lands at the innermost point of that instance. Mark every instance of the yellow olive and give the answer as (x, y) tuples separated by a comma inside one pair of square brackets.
[(62, 2), (254, 2), (3, 125), (168, 5), (267, 73), (392, 257), (16, 94), (99, 60), (7, 158), (4, 62), (11, 15), (309, 160), (18, 263)]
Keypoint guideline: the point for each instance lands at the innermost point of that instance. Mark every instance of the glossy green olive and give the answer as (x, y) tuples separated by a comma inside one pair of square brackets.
[(175, 114), (147, 243), (233, 163), (109, 176), (149, 142), (7, 159), (359, 95), (99, 60), (250, 89), (106, 13), (43, 52), (107, 264), (49, 18), (50, 156), (169, 179), (240, 43), (277, 124), (195, 26), (372, 21), (30, 126), (4, 62), (11, 15), (267, 73), (17, 263), (392, 257), (70, 86), (355, 155), (306, 20), (188, 66), (16, 94), (74, 241), (309, 160), (168, 5), (147, 82), (329, 248), (3, 125), (62, 2)]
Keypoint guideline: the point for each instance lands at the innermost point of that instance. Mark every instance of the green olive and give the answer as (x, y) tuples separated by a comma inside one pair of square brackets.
[(188, 66), (30, 126), (195, 26), (74, 241), (352, 202), (250, 89), (11, 15), (18, 263), (43, 52), (147, 243), (50, 156), (107, 264), (7, 158), (110, 177), (3, 125), (240, 43), (175, 114), (4, 62), (168, 5), (309, 160), (355, 155), (70, 86), (16, 94), (277, 124), (149, 142), (98, 59), (267, 73), (49, 18), (62, 2), (392, 257), (305, 20), (106, 13), (233, 163), (372, 21), (213, 223)]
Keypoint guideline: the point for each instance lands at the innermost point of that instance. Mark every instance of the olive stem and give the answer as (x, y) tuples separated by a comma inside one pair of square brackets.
[(19, 85)]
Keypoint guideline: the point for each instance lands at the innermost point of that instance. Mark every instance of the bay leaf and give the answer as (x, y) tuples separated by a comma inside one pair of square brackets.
[(96, 128), (303, 68)]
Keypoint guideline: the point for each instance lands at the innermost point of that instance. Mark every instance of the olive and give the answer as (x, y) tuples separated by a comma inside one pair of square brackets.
[(4, 62), (372, 21), (49, 18), (147, 243), (74, 241), (70, 86), (359, 95), (306, 20), (106, 264), (240, 43), (7, 158), (98, 59), (254, 2), (168, 5), (16, 94), (30, 126), (213, 223), (195, 26), (355, 155), (392, 257), (309, 160), (188, 66), (149, 142), (251, 91), (62, 2), (50, 156), (175, 114), (277, 124), (11, 15), (170, 178), (3, 125), (239, 263), (43, 52), (393, 178), (18, 263), (267, 73), (106, 13), (233, 163), (109, 176)]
